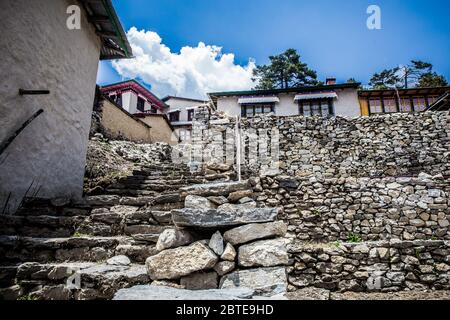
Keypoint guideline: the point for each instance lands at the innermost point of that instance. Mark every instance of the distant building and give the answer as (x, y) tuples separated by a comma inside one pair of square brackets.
[(56, 68), (116, 123), (402, 100), (180, 113), (326, 100), (134, 97)]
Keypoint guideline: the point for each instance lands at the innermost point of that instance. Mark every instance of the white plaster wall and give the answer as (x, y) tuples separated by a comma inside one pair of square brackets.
[(183, 105), (347, 104), (287, 105), (129, 102), (39, 52), (229, 105)]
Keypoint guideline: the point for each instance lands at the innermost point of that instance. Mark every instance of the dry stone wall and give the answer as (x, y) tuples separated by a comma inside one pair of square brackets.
[(374, 178), (372, 266), (366, 200)]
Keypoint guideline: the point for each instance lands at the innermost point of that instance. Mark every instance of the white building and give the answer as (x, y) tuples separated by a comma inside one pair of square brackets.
[(180, 113), (49, 76), (330, 99), (134, 97)]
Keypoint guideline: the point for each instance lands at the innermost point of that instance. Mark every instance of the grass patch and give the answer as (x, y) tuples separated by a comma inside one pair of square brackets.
[(354, 238)]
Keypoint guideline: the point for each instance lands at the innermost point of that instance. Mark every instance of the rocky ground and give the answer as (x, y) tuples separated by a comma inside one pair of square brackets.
[(322, 294), (109, 160)]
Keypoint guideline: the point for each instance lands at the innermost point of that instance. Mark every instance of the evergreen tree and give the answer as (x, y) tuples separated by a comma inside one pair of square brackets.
[(284, 71)]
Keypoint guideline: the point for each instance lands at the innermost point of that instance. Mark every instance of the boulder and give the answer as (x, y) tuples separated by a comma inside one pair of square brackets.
[(173, 238), (211, 218), (251, 232), (216, 243), (237, 195), (229, 254), (197, 202), (200, 281), (224, 267), (265, 281), (119, 261), (148, 292), (179, 262), (265, 253)]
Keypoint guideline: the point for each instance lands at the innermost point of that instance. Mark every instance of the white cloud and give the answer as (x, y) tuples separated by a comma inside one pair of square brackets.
[(193, 72)]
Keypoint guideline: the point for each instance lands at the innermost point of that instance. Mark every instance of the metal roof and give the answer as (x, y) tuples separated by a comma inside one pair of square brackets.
[(138, 88), (103, 17)]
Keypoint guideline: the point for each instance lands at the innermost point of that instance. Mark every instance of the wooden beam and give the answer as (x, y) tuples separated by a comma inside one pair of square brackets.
[(106, 34), (97, 18)]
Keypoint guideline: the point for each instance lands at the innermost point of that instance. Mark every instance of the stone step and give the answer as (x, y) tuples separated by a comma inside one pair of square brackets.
[(48, 281), (151, 292), (146, 187), (217, 218), (85, 248), (215, 189), (39, 226)]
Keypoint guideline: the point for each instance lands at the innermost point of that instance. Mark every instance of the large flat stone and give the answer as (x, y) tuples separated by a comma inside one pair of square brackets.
[(200, 281), (215, 189), (256, 231), (265, 281), (264, 253), (148, 292), (213, 218), (197, 202), (179, 262)]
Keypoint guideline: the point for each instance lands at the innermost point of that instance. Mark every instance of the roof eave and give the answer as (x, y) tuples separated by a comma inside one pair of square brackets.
[(103, 16), (290, 90)]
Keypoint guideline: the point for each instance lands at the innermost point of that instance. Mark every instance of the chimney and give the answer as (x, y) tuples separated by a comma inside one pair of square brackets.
[(330, 81)]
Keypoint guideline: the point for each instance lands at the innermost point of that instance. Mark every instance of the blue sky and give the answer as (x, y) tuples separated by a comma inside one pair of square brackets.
[(330, 35)]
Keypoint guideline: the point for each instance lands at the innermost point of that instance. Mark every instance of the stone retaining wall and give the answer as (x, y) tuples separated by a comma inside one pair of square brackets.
[(371, 266), (372, 178)]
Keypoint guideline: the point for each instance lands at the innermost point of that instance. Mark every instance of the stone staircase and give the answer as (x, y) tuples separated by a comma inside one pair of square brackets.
[(47, 240)]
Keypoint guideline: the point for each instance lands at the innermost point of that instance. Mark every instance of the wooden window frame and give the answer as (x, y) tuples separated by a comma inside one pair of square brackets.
[(190, 114), (302, 103), (253, 106), (139, 99), (171, 116)]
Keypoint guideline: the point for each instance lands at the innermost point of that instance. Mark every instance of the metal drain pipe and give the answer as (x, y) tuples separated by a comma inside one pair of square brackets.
[(238, 146)]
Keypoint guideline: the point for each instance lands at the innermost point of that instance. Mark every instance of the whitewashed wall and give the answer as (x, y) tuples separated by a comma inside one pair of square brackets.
[(182, 105), (39, 52)]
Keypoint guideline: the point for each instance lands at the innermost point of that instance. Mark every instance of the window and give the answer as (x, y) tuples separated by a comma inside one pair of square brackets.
[(251, 110), (153, 110), (117, 98), (184, 134), (390, 105), (405, 105), (140, 104), (174, 116), (375, 106), (432, 99), (190, 115), (419, 104), (316, 107)]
